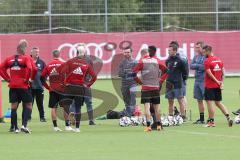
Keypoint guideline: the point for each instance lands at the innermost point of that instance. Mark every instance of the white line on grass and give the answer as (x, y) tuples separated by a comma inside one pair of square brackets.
[(205, 134)]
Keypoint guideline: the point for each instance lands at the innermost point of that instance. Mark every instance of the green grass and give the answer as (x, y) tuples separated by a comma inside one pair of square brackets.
[(107, 140)]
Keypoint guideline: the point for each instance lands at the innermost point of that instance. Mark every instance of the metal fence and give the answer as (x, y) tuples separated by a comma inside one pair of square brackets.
[(57, 16)]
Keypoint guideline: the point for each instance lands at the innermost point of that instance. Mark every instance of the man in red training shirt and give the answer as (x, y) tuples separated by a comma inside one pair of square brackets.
[(214, 74), (20, 71), (54, 81), (76, 70)]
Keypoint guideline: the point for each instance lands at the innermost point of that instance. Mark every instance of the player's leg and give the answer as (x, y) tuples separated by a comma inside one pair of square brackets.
[(184, 91), (65, 103), (26, 98), (88, 102), (225, 112), (78, 104), (199, 96), (14, 107), (23, 107), (132, 103), (155, 100), (209, 96), (179, 95), (52, 104), (170, 96), (201, 111), (145, 99), (181, 103), (148, 116), (39, 101), (126, 98), (218, 99), (158, 116), (211, 112), (14, 99), (170, 107)]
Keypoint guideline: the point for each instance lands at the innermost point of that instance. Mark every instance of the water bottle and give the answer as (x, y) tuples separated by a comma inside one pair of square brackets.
[(7, 115)]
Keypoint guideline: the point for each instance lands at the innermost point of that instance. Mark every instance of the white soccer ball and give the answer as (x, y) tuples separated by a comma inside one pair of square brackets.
[(125, 121), (170, 120), (178, 120), (135, 121), (165, 121), (237, 119)]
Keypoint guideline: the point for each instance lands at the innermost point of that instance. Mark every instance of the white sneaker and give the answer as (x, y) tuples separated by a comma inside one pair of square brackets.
[(69, 128), (16, 130), (77, 130), (56, 129), (25, 130)]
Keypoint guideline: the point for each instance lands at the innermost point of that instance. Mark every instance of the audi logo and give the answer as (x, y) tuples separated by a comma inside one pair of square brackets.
[(98, 50)]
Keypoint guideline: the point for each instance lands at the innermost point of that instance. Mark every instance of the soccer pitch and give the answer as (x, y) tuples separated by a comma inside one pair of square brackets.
[(107, 140)]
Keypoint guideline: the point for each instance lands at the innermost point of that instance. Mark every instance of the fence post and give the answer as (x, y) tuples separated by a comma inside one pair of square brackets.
[(50, 15), (161, 16), (106, 15), (217, 15)]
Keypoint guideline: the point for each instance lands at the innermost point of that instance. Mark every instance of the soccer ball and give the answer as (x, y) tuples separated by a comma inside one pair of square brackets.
[(135, 121), (237, 119), (125, 121), (178, 120), (165, 121), (170, 120)]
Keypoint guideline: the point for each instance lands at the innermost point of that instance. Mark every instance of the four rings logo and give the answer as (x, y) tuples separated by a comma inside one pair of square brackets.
[(96, 49)]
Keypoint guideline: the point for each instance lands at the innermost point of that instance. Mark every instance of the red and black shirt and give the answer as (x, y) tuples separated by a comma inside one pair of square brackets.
[(215, 65), (20, 71)]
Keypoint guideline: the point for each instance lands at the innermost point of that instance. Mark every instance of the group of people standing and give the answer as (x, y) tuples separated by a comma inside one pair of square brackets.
[(27, 79), (209, 77), (28, 74)]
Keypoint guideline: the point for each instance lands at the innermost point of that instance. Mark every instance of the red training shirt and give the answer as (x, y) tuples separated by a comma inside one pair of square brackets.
[(19, 74), (76, 70), (215, 65), (51, 72)]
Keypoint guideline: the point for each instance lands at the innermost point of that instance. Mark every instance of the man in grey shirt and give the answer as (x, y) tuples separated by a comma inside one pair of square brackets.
[(197, 64), (129, 85)]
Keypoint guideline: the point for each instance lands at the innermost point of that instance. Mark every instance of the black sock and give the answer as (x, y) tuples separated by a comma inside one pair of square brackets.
[(148, 124), (159, 123), (78, 119), (54, 123), (201, 116), (14, 118), (27, 114), (227, 116), (67, 123)]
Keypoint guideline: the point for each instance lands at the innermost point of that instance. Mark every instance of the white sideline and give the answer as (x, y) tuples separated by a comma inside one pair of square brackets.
[(203, 133)]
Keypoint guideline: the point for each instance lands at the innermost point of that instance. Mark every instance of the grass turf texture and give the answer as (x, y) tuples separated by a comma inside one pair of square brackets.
[(107, 140)]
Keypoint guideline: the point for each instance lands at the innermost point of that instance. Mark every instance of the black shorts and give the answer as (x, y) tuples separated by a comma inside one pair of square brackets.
[(213, 94), (17, 95), (150, 97), (54, 99), (78, 100)]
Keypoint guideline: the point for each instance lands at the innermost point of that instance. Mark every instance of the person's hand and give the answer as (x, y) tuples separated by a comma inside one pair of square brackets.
[(221, 86), (160, 85)]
